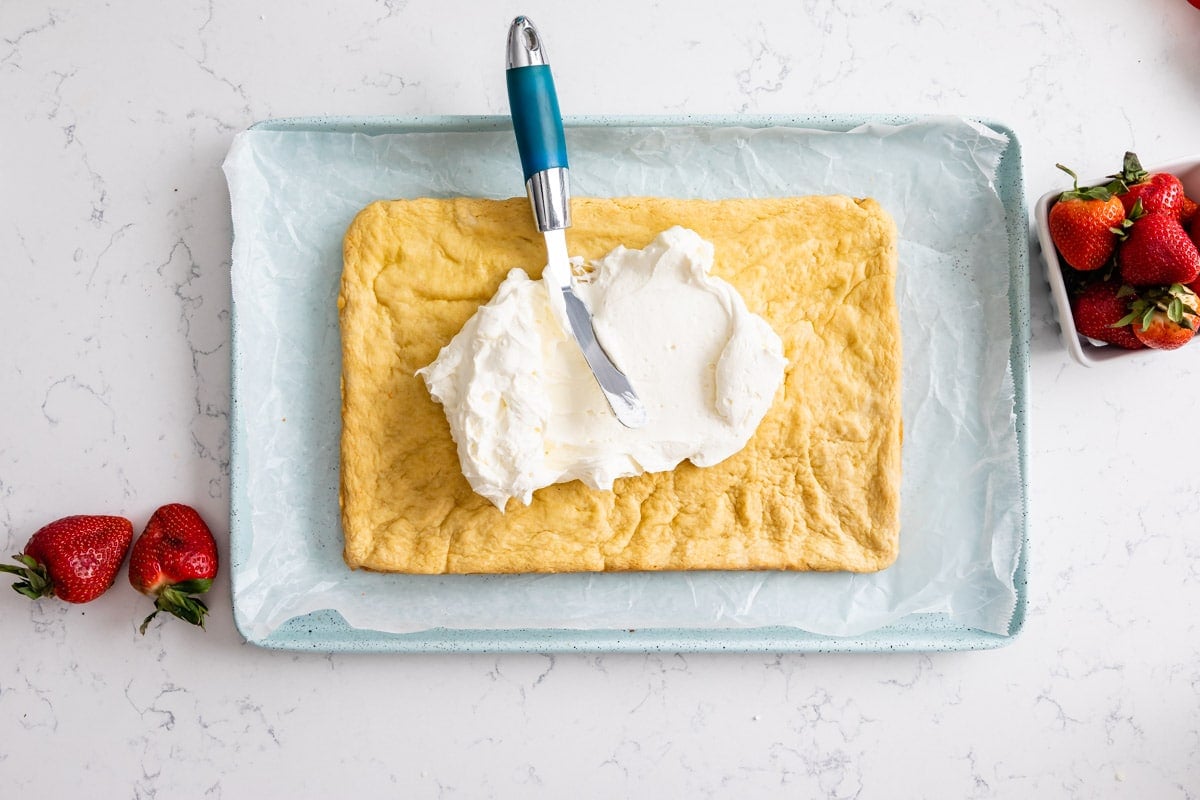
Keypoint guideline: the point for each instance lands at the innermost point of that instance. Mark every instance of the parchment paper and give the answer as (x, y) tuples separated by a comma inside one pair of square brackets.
[(293, 195)]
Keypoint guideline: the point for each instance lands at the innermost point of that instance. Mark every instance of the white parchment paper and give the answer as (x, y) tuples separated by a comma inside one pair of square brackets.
[(293, 195)]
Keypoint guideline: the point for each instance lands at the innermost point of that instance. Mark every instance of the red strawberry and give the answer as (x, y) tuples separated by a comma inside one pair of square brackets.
[(1187, 210), (1194, 235), (1164, 318), (1158, 252), (1082, 223), (1158, 191), (74, 558), (1099, 311), (173, 559)]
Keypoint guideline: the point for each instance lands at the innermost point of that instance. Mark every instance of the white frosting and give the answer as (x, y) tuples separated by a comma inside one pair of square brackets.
[(526, 412)]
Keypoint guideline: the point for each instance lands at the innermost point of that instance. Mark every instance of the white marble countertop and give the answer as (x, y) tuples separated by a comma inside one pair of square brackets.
[(114, 340)]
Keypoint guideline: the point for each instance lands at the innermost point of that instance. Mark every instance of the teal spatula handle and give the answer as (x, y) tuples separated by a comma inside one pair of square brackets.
[(533, 104), (536, 120)]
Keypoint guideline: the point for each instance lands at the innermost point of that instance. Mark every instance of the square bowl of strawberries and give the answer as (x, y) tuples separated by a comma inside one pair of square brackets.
[(1122, 256)]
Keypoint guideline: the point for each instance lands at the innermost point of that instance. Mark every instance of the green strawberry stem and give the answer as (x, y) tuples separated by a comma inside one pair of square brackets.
[(35, 580), (176, 599), (1174, 301), (1137, 212), (1131, 169), (1131, 173), (1087, 193), (197, 586)]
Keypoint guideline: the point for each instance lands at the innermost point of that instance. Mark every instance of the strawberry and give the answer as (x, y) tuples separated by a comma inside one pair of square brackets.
[(1157, 191), (74, 558), (174, 559), (1099, 311), (1164, 318), (1157, 252), (1082, 223), (1194, 235), (1187, 210)]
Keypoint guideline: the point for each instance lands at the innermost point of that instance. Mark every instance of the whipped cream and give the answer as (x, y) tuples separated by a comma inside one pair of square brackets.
[(525, 411)]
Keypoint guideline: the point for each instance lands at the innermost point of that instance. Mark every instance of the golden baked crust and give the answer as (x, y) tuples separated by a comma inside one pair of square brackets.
[(816, 488)]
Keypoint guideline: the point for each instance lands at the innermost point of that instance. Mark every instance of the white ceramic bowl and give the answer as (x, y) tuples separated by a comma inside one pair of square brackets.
[(1084, 350)]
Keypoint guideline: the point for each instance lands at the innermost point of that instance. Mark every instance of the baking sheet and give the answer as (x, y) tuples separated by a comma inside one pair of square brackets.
[(295, 189)]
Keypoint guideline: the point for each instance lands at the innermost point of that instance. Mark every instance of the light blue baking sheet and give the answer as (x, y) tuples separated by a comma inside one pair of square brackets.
[(328, 631)]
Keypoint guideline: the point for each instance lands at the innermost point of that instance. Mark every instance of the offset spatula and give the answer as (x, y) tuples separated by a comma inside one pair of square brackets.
[(533, 104)]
